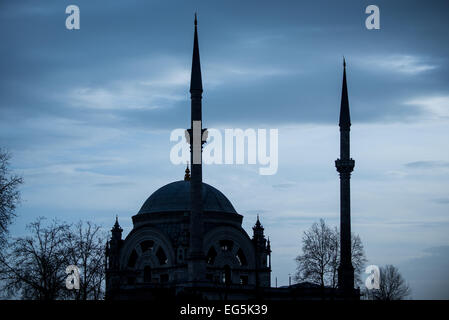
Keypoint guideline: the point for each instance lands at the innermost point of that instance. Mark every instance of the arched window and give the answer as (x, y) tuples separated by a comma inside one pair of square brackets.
[(226, 245), (241, 257), (146, 245), (147, 274), (132, 259), (211, 256), (161, 256)]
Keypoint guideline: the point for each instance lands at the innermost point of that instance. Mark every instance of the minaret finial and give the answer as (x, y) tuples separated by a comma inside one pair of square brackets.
[(344, 62), (196, 21)]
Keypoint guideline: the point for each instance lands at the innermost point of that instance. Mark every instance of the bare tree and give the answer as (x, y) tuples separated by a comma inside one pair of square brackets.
[(9, 195), (321, 256), (318, 251), (392, 285), (358, 258), (33, 267), (87, 253)]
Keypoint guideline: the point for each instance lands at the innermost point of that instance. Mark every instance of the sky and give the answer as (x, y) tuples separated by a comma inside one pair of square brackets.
[(87, 116)]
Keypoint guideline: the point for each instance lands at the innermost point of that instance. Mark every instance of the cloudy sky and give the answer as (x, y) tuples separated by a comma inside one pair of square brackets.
[(87, 115)]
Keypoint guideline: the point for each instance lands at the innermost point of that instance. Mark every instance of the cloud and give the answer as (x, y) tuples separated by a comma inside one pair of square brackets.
[(256, 211), (442, 200), (427, 274), (150, 82), (404, 64), (427, 164), (220, 74), (284, 185), (436, 106), (260, 40), (114, 184), (122, 96), (249, 72), (174, 77)]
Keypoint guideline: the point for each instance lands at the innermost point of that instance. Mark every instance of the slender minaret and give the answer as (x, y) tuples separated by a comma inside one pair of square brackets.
[(345, 165), (196, 258)]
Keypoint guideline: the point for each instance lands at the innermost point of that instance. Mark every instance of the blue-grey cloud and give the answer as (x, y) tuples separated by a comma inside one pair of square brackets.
[(427, 164), (427, 275), (284, 185), (87, 113), (281, 64), (442, 200)]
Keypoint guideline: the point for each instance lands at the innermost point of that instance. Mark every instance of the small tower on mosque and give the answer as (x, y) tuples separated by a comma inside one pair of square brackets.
[(112, 265), (263, 254), (187, 175), (115, 244)]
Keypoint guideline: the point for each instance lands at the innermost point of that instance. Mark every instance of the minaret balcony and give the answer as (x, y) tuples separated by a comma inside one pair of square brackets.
[(345, 165)]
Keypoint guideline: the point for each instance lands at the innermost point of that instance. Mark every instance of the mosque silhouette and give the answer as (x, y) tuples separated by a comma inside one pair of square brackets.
[(187, 239)]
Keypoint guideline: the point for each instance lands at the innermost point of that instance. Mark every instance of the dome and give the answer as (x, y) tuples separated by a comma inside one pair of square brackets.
[(175, 196)]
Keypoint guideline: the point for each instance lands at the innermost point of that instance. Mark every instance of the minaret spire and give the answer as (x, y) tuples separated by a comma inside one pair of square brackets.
[(196, 258), (345, 118), (345, 165), (196, 83)]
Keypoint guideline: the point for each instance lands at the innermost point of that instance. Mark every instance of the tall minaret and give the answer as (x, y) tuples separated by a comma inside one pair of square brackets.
[(345, 165), (196, 258)]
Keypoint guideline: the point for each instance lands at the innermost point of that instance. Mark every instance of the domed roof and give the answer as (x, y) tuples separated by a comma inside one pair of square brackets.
[(175, 196)]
